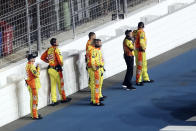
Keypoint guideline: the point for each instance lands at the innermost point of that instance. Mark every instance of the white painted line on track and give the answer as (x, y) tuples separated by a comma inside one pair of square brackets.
[(179, 128)]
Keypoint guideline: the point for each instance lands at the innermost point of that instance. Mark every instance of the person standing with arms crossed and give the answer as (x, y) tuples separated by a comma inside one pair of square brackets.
[(53, 56), (128, 47), (140, 53)]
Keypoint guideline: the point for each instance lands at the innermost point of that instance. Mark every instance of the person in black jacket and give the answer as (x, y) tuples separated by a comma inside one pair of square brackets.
[(128, 46)]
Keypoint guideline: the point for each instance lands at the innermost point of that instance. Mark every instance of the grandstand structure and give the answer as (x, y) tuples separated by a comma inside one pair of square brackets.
[(27, 25)]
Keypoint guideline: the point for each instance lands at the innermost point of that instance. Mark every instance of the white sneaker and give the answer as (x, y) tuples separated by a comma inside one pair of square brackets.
[(124, 86)]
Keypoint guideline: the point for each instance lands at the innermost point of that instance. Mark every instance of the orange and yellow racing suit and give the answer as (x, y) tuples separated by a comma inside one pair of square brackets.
[(33, 83), (55, 60), (140, 54)]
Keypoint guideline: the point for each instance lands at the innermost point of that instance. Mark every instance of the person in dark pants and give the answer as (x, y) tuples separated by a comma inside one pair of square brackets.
[(128, 46)]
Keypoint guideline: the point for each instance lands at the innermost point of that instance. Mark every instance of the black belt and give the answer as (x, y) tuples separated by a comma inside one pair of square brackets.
[(53, 67), (57, 68), (97, 66), (140, 50)]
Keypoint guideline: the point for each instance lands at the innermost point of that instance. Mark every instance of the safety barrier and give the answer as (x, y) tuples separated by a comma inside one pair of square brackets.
[(14, 94)]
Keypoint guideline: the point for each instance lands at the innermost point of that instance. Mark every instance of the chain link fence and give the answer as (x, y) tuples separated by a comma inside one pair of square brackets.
[(27, 25)]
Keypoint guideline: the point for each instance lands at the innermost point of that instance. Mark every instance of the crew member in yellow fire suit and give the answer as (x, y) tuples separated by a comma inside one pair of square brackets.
[(102, 69), (53, 56), (140, 54), (95, 73), (33, 83), (89, 46)]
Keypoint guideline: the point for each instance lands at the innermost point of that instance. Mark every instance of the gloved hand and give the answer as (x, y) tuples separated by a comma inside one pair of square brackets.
[(26, 82), (37, 66), (85, 58), (104, 69), (95, 68), (142, 50), (59, 68)]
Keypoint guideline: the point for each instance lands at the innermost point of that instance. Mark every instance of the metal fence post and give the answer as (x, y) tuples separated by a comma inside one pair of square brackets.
[(73, 18), (56, 2), (125, 7), (39, 43), (117, 10), (28, 26)]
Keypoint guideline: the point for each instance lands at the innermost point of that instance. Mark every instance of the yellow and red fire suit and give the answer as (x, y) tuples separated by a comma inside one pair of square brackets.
[(55, 60), (101, 71), (33, 83), (140, 54), (134, 34), (95, 72), (88, 44), (89, 47)]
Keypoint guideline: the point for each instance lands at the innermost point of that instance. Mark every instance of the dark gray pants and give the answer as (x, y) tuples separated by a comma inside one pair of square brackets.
[(129, 74)]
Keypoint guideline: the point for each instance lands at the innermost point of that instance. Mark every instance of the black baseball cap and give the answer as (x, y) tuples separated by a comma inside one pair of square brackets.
[(31, 56)]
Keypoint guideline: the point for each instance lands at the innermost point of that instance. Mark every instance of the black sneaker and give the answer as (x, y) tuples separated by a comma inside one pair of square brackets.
[(140, 84), (67, 100), (54, 103), (104, 97), (149, 81), (98, 104), (101, 99), (38, 118), (131, 88)]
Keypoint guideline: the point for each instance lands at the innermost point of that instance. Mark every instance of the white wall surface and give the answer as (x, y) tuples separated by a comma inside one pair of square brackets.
[(163, 34)]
